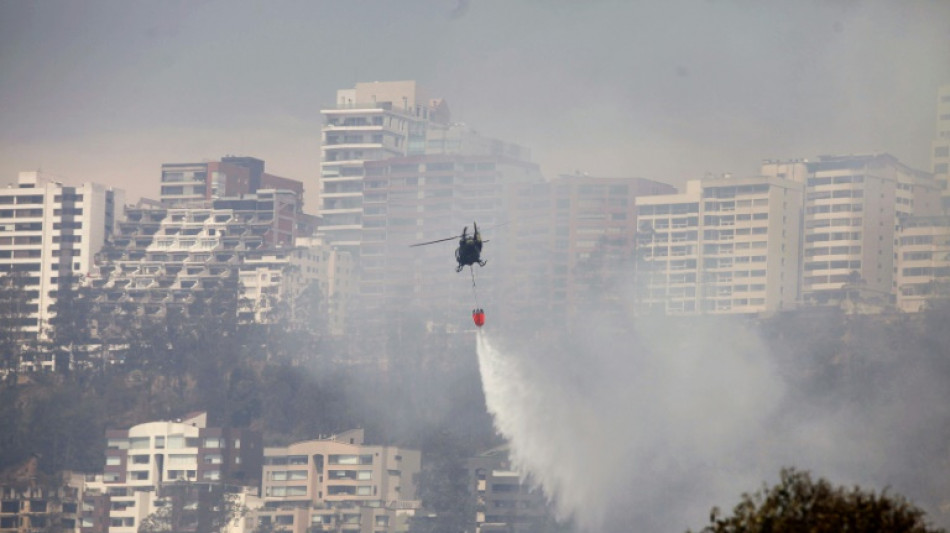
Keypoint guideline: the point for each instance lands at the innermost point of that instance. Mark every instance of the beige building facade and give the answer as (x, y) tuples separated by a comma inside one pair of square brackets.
[(923, 262), (339, 484), (853, 206), (724, 245)]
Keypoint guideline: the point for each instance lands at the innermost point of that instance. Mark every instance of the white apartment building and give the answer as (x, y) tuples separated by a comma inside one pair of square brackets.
[(853, 205), (338, 484), (50, 232), (726, 245), (369, 122), (923, 262), (144, 459)]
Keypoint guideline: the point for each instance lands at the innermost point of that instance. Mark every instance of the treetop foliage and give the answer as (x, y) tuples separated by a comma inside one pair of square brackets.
[(799, 504)]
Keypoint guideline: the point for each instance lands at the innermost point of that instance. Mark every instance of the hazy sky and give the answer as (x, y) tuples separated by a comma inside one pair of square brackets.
[(109, 90)]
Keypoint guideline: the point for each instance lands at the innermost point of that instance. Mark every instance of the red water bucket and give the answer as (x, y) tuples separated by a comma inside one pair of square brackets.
[(478, 315)]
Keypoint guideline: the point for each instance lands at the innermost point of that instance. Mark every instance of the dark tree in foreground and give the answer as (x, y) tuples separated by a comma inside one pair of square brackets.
[(193, 507), (14, 315), (798, 504), (443, 486)]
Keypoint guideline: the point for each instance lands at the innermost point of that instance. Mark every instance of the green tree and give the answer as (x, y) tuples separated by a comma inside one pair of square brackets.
[(798, 504), (72, 322), (14, 302), (444, 486)]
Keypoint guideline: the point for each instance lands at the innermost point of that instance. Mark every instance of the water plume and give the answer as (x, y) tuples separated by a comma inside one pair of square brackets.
[(634, 428)]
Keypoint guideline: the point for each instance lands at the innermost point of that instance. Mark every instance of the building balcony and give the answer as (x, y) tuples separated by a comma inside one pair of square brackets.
[(327, 148), (342, 163), (373, 108)]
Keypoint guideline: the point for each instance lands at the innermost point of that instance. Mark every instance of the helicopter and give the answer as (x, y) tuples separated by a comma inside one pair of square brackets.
[(468, 254), (469, 251)]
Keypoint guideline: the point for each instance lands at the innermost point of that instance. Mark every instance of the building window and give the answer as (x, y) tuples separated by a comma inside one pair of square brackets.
[(292, 490), (288, 475)]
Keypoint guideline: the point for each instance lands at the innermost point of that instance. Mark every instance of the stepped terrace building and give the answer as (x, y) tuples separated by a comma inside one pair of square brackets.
[(339, 484), (163, 257)]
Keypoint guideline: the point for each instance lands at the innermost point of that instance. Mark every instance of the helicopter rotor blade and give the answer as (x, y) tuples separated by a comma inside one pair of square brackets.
[(433, 242)]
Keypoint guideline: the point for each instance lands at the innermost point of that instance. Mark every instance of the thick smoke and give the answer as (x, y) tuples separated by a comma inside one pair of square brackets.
[(647, 425)]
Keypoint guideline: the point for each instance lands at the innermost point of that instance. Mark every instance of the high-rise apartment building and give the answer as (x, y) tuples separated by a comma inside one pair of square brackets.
[(338, 484), (724, 245), (370, 122), (940, 148), (49, 234), (853, 207), (142, 462)]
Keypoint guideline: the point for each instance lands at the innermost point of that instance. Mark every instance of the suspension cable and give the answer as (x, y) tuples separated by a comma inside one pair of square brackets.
[(471, 269)]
